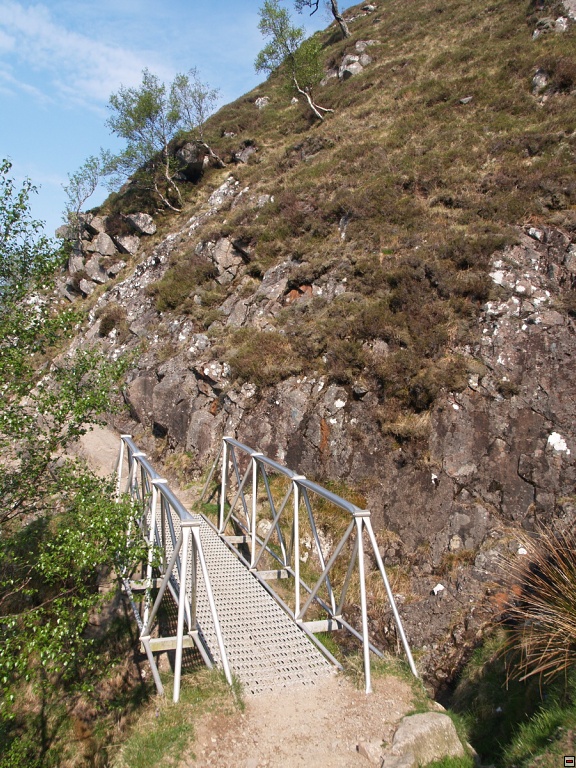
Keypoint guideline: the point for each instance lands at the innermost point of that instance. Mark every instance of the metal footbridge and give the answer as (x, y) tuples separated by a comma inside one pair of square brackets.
[(237, 573)]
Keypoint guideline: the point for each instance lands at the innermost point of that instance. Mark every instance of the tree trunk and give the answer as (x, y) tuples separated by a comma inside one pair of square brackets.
[(339, 18), (314, 107), (219, 162), (169, 181)]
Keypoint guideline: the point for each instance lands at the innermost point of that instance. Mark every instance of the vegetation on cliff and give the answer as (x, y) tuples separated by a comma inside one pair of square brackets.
[(435, 151)]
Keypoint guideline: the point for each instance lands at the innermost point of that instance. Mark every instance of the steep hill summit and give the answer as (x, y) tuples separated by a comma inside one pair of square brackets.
[(383, 299)]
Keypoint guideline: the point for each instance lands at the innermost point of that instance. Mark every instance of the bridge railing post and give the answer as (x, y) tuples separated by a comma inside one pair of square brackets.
[(181, 603), (224, 487), (359, 519), (391, 600), (254, 510)]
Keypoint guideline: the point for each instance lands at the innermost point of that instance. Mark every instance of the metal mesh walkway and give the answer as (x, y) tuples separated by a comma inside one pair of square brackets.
[(265, 648)]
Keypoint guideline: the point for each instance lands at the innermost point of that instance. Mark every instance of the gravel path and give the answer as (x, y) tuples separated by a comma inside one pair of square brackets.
[(319, 727)]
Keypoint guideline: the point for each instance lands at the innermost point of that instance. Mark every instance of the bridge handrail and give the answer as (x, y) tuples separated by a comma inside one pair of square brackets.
[(165, 490), (182, 562), (300, 479), (289, 558)]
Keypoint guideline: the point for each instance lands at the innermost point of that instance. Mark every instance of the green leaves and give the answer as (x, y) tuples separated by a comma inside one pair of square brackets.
[(149, 117), (285, 39), (287, 47), (81, 186), (61, 530), (26, 259)]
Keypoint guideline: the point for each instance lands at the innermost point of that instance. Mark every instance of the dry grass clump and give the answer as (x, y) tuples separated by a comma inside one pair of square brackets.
[(176, 289), (263, 357), (541, 614), (113, 317)]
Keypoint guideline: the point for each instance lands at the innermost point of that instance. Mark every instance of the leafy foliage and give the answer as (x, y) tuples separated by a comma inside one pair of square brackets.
[(25, 258), (60, 528), (149, 117), (81, 186), (193, 100), (287, 46), (313, 5)]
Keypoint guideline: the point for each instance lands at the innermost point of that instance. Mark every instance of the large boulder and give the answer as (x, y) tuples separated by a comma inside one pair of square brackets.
[(192, 159), (570, 8), (75, 263), (87, 287), (127, 243), (244, 153), (95, 225), (95, 271), (227, 260), (64, 232), (349, 67), (422, 739), (139, 397), (142, 222), (102, 244), (171, 404)]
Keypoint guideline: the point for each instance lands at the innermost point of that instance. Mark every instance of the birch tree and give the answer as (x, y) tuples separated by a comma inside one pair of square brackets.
[(147, 119), (288, 47)]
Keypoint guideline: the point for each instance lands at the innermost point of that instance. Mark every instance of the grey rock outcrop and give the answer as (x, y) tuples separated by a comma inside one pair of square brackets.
[(102, 244), (94, 225), (193, 159), (540, 81), (142, 222), (422, 739), (245, 153), (95, 271), (87, 286), (63, 232), (570, 8), (227, 260), (127, 243), (349, 67)]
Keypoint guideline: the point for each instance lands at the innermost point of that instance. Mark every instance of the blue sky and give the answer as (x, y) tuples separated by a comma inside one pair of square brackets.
[(61, 59)]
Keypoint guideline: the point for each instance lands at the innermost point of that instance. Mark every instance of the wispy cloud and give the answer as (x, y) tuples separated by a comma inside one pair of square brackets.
[(78, 68), (7, 43), (7, 79)]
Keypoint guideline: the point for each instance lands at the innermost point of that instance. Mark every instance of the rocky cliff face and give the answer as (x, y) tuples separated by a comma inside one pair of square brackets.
[(448, 483), (445, 494)]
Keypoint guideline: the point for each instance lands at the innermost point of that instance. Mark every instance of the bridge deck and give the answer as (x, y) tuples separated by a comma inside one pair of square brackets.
[(265, 648)]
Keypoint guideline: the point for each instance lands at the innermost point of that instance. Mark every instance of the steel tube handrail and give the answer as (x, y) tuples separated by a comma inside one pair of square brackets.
[(300, 488), (146, 485)]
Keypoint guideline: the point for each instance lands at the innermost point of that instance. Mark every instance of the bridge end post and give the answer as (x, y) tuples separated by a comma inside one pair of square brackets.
[(363, 603), (391, 600), (181, 611), (224, 484)]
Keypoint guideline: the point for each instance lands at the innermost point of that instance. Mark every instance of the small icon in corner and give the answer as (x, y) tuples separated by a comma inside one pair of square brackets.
[(569, 761)]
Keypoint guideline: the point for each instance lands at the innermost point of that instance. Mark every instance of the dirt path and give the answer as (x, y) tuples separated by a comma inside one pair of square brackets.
[(319, 726)]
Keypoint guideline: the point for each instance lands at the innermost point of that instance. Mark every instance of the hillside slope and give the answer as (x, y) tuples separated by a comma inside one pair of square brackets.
[(384, 300)]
